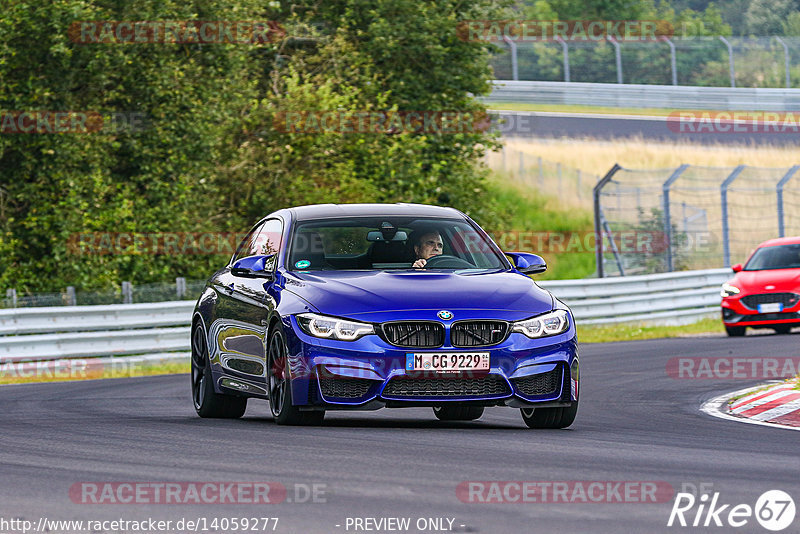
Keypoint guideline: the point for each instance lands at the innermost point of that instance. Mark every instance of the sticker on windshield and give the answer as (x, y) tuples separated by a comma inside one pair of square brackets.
[(302, 264)]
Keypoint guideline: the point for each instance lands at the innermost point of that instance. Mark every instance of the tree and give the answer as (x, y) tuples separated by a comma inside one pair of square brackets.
[(211, 158), (766, 17)]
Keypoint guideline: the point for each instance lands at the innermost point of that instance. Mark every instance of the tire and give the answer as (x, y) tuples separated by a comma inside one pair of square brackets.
[(782, 329), (735, 331), (279, 386), (207, 402), (550, 417), (457, 413)]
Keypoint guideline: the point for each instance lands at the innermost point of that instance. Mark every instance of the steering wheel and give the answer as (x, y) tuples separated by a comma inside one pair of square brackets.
[(443, 261)]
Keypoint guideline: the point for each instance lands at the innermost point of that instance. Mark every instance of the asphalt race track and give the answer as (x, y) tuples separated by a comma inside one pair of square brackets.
[(635, 424)]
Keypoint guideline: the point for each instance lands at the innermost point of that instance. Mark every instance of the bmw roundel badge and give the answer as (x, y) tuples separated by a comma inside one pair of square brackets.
[(445, 315)]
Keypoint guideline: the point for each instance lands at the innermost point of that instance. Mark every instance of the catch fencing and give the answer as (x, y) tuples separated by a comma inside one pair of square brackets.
[(697, 217), (700, 61), (124, 293), (158, 329)]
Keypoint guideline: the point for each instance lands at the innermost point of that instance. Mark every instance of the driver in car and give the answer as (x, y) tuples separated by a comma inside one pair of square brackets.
[(426, 246)]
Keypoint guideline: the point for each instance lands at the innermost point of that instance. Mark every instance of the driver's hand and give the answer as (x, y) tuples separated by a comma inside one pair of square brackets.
[(420, 263)]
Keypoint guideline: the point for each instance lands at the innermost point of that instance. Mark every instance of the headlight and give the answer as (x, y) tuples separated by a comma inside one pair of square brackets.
[(728, 290), (549, 324), (333, 328)]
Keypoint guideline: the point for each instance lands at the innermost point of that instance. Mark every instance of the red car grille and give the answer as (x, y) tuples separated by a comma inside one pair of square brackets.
[(787, 299)]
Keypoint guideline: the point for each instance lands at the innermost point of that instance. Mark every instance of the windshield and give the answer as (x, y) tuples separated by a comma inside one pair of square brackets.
[(778, 257), (384, 243)]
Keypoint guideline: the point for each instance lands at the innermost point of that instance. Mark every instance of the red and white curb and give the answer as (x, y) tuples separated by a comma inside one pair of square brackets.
[(777, 406)]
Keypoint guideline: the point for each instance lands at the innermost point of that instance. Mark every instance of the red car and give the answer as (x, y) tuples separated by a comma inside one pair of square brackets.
[(766, 291)]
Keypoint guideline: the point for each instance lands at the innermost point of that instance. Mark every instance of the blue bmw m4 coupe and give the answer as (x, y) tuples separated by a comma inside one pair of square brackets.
[(364, 306)]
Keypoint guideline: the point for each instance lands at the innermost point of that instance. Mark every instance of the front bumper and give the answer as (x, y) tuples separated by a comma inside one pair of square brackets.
[(370, 373), (735, 313)]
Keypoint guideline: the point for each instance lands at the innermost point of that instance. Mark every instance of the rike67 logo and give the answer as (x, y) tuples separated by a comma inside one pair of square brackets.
[(774, 510)]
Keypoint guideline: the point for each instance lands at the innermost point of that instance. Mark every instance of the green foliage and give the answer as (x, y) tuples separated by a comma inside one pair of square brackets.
[(654, 259), (767, 17), (212, 158)]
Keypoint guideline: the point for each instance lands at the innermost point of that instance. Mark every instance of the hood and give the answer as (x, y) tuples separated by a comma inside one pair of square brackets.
[(782, 279), (508, 295)]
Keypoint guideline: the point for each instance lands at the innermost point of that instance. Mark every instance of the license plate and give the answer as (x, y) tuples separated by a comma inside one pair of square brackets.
[(447, 361), (773, 307)]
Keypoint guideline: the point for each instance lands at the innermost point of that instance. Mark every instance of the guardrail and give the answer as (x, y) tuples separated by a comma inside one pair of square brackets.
[(645, 96), (668, 298), (63, 332)]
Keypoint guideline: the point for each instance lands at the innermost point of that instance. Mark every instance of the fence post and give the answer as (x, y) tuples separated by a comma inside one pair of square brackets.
[(667, 218), (683, 217), (618, 56), (614, 249), (180, 287), (726, 246), (579, 184), (730, 64), (513, 46), (521, 166), (541, 173), (786, 62), (71, 298), (598, 231), (127, 293), (11, 294), (779, 190), (672, 60), (565, 49), (558, 170)]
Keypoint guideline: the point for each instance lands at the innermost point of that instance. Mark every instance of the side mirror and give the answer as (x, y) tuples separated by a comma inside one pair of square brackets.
[(528, 263), (736, 268), (253, 267)]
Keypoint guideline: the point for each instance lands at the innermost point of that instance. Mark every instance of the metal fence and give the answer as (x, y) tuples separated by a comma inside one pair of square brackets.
[(570, 186), (704, 61), (691, 217), (162, 330), (641, 96), (125, 293)]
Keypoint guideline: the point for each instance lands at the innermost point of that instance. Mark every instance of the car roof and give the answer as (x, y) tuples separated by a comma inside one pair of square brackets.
[(781, 241), (324, 211)]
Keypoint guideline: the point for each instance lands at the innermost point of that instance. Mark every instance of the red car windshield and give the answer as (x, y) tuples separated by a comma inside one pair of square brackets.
[(777, 257)]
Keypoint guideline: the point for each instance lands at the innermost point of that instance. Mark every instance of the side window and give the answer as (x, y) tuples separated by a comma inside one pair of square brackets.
[(262, 240), (268, 241), (247, 243)]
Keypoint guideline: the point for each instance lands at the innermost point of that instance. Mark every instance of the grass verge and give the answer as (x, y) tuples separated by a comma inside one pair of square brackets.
[(17, 374), (597, 157), (633, 331), (528, 213)]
